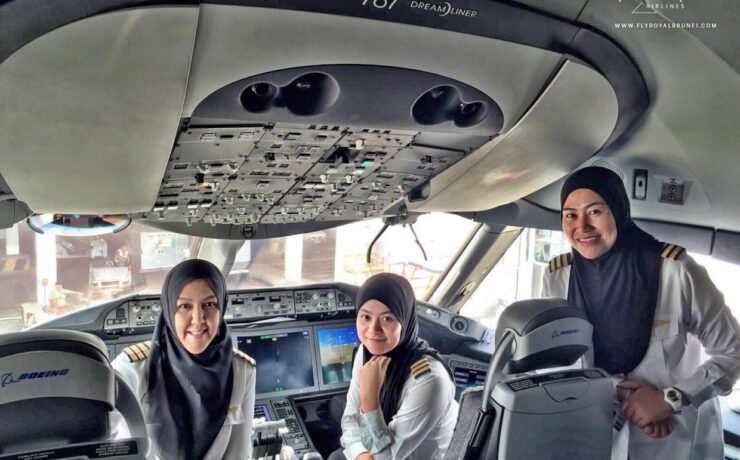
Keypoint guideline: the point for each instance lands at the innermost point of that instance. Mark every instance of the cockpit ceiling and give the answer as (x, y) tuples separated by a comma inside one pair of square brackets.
[(213, 115)]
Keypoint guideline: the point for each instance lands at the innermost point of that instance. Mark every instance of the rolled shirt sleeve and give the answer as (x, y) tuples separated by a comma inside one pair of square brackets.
[(375, 433)]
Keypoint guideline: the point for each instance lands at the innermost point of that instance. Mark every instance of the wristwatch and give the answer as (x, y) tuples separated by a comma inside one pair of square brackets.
[(674, 398)]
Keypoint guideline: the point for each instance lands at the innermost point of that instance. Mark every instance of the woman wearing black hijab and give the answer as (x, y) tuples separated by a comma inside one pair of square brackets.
[(653, 308), (196, 390), (401, 401)]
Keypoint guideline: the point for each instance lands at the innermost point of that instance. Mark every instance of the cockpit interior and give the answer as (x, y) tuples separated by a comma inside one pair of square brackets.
[(302, 146)]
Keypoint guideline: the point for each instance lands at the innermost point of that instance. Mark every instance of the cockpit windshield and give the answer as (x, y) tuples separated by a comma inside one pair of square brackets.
[(46, 276), (340, 254)]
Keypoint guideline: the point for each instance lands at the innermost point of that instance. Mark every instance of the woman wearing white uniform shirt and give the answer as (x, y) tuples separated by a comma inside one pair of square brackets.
[(401, 401), (652, 308), (197, 392)]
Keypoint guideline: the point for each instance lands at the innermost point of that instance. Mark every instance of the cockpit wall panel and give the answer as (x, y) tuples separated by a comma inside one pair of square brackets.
[(570, 121), (98, 99)]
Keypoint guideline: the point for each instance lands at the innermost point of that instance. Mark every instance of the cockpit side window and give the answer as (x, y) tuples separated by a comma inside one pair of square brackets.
[(516, 276)]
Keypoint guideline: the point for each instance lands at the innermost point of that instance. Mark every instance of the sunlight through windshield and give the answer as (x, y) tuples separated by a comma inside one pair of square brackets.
[(339, 254)]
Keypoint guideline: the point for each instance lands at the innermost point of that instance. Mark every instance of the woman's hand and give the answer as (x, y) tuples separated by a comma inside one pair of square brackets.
[(371, 378), (644, 405), (659, 429)]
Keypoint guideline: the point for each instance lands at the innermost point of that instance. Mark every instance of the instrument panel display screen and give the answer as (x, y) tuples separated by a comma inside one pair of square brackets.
[(335, 352), (466, 378), (284, 361), (262, 411)]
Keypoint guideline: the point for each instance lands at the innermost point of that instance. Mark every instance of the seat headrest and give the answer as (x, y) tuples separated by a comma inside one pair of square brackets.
[(57, 388), (547, 333), (79, 343), (525, 316)]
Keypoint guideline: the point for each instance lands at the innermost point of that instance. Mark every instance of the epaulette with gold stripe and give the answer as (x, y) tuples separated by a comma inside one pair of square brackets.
[(672, 251), (138, 351), (420, 368), (240, 354), (563, 260)]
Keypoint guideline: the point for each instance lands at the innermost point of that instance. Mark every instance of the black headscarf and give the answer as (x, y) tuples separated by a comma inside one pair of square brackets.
[(619, 289), (188, 394), (396, 294)]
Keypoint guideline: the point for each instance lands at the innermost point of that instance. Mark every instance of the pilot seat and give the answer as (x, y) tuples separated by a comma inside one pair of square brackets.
[(522, 414), (57, 389)]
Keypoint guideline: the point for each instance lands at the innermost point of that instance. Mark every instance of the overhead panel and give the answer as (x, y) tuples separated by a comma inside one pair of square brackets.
[(291, 175), (271, 149)]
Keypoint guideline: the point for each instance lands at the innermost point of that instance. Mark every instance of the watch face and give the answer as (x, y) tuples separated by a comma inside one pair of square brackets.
[(673, 395)]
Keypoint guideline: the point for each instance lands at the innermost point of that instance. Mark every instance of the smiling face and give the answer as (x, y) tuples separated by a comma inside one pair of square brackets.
[(378, 328), (197, 316), (588, 223)]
